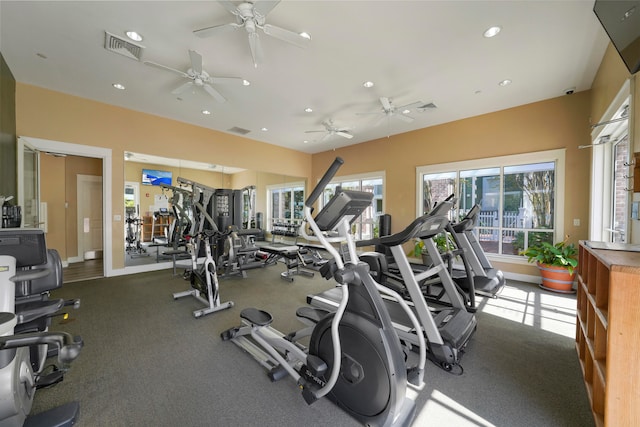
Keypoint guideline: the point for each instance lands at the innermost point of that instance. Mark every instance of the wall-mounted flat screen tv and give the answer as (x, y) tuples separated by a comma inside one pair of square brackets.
[(156, 177), (621, 21)]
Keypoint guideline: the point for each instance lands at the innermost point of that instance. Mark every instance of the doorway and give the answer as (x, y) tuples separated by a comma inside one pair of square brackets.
[(102, 229)]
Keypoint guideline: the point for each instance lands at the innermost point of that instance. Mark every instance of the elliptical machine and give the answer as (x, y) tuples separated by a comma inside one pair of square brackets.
[(21, 249), (354, 356)]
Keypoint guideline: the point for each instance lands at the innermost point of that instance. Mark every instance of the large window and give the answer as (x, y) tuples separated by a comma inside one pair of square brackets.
[(286, 203), (366, 226), (517, 197)]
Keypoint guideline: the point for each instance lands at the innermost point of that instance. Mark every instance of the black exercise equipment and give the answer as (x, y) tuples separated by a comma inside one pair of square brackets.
[(354, 355)]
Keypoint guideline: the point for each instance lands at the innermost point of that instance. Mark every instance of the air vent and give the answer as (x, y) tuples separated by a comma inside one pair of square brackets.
[(123, 47), (238, 130), (428, 106)]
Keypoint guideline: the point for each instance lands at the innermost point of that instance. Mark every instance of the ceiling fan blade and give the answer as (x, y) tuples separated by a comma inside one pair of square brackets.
[(263, 7), (410, 106), (327, 136), (404, 117), (196, 61), (344, 134), (256, 49), (386, 104), (214, 93), (227, 80), (182, 88), (314, 131), (382, 119), (164, 67), (229, 5), (216, 29), (286, 35)]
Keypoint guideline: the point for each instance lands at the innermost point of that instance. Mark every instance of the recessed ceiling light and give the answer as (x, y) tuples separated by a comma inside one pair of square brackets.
[(407, 111), (118, 86), (491, 32), (246, 82), (505, 82), (305, 35), (308, 110), (305, 141), (264, 129), (134, 36), (206, 112), (367, 84)]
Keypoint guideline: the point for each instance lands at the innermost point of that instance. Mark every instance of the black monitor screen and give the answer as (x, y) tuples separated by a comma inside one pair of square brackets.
[(26, 245), (344, 204)]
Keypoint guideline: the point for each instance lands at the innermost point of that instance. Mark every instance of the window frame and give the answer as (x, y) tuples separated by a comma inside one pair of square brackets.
[(557, 156), (602, 194), (291, 186)]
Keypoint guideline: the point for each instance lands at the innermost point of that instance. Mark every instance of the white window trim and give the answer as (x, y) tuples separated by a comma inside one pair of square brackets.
[(600, 209), (557, 156)]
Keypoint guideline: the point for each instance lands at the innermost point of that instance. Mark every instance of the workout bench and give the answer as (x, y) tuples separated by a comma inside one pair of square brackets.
[(292, 259)]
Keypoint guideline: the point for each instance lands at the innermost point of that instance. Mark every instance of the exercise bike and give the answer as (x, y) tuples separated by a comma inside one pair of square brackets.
[(354, 356), (203, 278)]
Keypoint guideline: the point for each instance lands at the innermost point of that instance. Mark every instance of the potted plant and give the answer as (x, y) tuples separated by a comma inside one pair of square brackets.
[(556, 263), (442, 241)]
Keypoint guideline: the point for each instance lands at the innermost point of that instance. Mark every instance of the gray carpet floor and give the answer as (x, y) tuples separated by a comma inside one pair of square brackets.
[(148, 362)]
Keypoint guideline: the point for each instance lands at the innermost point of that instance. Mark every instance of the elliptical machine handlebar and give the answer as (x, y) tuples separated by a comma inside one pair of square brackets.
[(68, 346), (326, 178)]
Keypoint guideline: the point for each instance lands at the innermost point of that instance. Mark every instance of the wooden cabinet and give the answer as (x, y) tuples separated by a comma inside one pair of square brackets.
[(608, 333), (154, 226)]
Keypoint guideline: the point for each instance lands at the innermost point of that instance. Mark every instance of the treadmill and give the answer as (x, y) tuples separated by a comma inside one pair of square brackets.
[(487, 280), (447, 328)]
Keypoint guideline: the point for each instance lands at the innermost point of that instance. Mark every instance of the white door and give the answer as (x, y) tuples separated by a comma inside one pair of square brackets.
[(89, 216)]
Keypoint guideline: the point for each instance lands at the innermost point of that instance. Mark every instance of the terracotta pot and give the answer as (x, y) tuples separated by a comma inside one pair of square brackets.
[(556, 279)]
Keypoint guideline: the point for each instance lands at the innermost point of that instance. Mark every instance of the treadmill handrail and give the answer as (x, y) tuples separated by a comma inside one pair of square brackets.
[(424, 227), (469, 221)]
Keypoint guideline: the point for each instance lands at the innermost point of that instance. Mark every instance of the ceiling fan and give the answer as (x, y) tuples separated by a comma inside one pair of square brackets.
[(251, 15), (330, 129), (199, 77), (390, 110)]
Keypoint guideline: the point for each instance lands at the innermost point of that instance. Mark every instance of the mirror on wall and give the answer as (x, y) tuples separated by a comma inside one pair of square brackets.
[(157, 201)]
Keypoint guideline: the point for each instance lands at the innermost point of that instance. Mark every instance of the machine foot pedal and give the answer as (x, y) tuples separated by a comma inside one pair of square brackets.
[(62, 416), (50, 379), (256, 317)]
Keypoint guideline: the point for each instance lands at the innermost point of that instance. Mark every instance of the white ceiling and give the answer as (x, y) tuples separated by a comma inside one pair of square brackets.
[(428, 51)]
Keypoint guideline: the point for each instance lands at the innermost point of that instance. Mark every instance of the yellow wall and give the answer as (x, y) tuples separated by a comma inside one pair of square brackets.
[(552, 124), (45, 114)]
